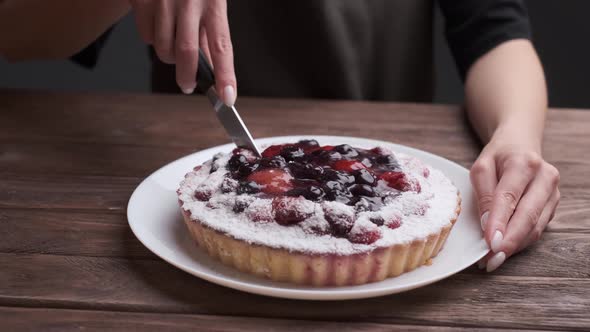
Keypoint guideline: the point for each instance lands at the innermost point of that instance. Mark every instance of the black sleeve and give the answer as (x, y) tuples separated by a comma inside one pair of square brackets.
[(88, 57), (474, 27)]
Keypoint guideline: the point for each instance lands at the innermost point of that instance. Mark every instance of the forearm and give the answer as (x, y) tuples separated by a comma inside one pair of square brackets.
[(41, 29), (506, 95)]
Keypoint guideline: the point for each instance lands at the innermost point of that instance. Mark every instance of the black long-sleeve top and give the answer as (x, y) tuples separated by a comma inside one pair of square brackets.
[(350, 49)]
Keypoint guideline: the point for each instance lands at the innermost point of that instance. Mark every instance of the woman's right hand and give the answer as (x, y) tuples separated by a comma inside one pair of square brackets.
[(177, 28)]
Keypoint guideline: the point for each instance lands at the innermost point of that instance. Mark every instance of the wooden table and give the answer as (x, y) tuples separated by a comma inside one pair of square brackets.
[(69, 162)]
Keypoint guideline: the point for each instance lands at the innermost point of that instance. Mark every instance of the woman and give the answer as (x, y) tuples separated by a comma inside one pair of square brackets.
[(346, 49)]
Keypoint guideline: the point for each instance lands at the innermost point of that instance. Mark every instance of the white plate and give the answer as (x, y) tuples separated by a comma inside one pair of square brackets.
[(154, 216)]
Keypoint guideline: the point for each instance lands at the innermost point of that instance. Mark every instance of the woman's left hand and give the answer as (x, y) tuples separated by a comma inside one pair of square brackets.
[(517, 193)]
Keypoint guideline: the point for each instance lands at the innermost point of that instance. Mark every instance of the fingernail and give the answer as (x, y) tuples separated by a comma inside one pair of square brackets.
[(497, 241), (496, 261), (229, 95), (188, 91), (484, 220), (481, 265)]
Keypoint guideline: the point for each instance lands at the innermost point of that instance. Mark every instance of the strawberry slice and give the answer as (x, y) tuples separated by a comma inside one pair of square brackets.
[(272, 181), (400, 181), (274, 150), (348, 165)]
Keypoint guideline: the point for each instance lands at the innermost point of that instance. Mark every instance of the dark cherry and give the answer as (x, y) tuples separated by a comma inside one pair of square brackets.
[(292, 153), (362, 190), (273, 162), (246, 169), (305, 171), (364, 176), (235, 162), (248, 187), (387, 160), (326, 156), (338, 176), (309, 143), (367, 162), (368, 204), (240, 206), (346, 151), (377, 220), (312, 193)]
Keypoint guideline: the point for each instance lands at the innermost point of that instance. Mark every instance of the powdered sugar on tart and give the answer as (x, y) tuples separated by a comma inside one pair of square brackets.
[(320, 200)]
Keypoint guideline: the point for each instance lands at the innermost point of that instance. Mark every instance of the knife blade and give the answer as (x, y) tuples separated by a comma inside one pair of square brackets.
[(228, 116)]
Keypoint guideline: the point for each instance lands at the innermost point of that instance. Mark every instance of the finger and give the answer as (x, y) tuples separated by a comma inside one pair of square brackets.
[(204, 43), (144, 19), (164, 30), (484, 180), (544, 220), (515, 177), (187, 45), (221, 50), (482, 263), (529, 210)]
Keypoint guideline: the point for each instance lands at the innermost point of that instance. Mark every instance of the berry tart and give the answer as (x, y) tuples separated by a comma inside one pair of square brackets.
[(319, 215)]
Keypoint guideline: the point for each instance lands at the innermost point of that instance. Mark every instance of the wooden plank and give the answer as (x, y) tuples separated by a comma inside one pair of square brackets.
[(69, 233), (63, 320), (66, 191), (154, 286), (86, 158), (108, 235)]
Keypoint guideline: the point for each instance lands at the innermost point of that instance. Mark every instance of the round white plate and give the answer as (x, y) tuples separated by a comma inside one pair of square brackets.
[(154, 216)]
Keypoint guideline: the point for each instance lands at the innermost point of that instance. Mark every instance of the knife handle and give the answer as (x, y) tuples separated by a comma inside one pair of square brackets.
[(205, 77)]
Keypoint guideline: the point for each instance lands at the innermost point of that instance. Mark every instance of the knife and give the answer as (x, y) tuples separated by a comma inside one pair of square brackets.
[(228, 116)]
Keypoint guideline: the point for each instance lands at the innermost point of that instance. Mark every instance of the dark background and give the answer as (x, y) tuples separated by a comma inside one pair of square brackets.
[(560, 32)]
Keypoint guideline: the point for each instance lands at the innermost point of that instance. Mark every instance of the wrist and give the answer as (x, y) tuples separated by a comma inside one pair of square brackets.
[(517, 134)]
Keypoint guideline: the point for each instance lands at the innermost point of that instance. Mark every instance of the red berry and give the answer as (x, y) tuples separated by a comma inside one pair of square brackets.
[(394, 222), (348, 165), (368, 236), (259, 216), (400, 181), (426, 172), (274, 150), (291, 210), (272, 181), (203, 194), (327, 147)]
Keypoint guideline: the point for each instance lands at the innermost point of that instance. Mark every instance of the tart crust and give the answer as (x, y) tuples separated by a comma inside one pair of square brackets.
[(315, 269)]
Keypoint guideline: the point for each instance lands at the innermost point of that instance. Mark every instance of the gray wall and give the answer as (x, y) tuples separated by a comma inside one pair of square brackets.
[(561, 31)]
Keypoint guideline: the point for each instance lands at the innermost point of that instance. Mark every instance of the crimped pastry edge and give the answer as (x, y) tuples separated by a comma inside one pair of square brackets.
[(319, 270)]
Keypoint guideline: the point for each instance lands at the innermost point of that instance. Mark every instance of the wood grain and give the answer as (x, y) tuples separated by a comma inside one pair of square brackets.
[(64, 320), (90, 233), (68, 261), (154, 286)]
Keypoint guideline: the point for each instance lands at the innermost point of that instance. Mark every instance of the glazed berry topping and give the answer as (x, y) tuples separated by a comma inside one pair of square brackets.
[(307, 172)]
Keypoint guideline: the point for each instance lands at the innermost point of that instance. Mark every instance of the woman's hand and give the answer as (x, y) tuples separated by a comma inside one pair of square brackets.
[(177, 28), (517, 193)]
